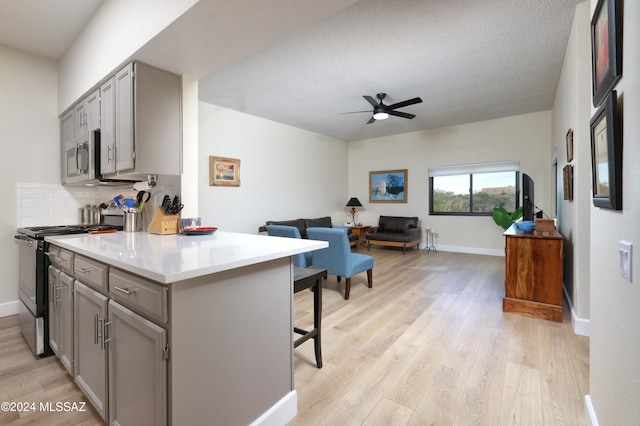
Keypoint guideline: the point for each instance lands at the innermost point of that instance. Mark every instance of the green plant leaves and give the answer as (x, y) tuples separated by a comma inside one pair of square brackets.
[(505, 219)]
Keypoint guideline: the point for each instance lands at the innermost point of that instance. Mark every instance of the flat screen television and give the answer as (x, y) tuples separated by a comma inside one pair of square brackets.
[(528, 205)]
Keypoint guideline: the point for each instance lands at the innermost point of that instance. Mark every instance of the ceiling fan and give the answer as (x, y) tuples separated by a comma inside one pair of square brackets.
[(382, 111)]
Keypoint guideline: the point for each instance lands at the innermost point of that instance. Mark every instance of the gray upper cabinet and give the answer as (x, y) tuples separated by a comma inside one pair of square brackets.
[(125, 148), (108, 127), (86, 117), (142, 123), (139, 113)]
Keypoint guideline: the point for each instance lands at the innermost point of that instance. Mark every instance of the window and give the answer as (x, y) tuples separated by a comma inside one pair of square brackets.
[(473, 189)]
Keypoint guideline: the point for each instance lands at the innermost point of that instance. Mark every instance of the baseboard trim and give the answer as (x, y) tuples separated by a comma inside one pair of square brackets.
[(281, 413), (472, 250), (581, 326), (9, 308), (590, 412)]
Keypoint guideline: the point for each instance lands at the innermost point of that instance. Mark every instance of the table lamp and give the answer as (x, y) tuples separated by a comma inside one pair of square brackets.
[(353, 203)]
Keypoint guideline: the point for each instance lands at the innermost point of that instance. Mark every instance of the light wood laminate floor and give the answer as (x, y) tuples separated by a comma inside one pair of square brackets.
[(428, 345)]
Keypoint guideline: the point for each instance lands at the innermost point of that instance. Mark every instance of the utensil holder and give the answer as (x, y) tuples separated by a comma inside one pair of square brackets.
[(132, 221), (163, 224)]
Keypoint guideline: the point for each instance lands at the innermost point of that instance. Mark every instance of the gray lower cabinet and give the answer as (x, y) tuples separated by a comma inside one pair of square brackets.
[(120, 360), (66, 322), (90, 310), (137, 369), (61, 316), (54, 310)]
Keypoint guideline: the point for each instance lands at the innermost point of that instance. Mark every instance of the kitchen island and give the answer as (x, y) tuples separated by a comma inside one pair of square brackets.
[(228, 321)]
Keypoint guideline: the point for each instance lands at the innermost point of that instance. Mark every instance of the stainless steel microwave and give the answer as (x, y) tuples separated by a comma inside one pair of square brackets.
[(80, 161)]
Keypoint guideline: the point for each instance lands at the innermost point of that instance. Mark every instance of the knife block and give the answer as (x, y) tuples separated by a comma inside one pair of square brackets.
[(162, 223)]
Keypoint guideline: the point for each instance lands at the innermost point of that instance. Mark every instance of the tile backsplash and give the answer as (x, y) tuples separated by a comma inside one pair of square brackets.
[(53, 204)]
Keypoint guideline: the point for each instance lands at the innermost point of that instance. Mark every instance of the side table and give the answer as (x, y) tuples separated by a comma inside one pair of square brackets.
[(361, 232)]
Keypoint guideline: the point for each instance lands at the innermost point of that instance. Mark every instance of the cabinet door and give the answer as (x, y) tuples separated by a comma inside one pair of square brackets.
[(137, 369), (54, 310), (67, 139), (80, 123), (125, 148), (66, 321), (108, 127), (92, 108), (90, 310)]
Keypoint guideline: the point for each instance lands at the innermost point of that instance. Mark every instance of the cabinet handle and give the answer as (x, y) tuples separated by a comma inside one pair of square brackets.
[(105, 340), (125, 290), (56, 298), (109, 148), (84, 270), (95, 329)]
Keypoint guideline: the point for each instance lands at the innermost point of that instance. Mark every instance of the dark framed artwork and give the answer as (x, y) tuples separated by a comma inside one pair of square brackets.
[(569, 140), (388, 186), (606, 155), (567, 175), (606, 48)]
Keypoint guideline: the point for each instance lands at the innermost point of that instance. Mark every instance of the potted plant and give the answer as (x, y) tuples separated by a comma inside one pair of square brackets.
[(505, 219)]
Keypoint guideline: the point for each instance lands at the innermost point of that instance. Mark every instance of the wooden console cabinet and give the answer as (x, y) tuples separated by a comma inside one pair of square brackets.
[(533, 274)]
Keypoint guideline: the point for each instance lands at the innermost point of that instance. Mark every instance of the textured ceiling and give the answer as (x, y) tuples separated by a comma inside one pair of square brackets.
[(303, 64), (468, 60)]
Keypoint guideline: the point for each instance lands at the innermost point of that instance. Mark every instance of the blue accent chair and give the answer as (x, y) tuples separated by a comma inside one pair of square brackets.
[(338, 259), (302, 260)]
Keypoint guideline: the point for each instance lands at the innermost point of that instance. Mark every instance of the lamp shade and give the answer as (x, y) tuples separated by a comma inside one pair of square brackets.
[(354, 202)]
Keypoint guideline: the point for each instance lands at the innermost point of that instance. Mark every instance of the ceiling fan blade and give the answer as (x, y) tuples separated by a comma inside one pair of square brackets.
[(371, 120), (401, 114), (404, 103), (355, 112), (371, 100)]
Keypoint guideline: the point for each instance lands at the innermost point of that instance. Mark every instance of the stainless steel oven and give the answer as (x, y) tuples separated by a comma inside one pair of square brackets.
[(33, 280), (31, 290)]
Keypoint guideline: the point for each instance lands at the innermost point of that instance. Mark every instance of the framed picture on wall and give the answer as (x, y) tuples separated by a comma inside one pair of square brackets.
[(567, 174), (388, 186), (606, 156), (224, 171), (569, 140), (606, 48)]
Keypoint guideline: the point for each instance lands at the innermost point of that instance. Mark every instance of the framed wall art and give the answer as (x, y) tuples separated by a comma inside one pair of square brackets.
[(569, 140), (388, 186), (606, 48), (567, 175), (224, 171), (606, 155)]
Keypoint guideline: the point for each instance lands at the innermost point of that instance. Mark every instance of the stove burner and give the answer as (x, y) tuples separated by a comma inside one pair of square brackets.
[(45, 231)]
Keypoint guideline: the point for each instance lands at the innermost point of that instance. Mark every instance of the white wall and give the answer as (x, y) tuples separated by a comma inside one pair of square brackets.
[(285, 172), (116, 31), (525, 138), (614, 380), (29, 134), (572, 110)]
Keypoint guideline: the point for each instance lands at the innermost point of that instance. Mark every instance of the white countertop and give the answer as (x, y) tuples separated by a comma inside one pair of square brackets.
[(171, 258)]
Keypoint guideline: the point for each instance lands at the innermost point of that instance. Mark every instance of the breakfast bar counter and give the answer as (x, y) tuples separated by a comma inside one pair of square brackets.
[(228, 322), (172, 258)]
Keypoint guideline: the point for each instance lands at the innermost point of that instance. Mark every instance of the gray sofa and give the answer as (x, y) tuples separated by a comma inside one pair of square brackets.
[(303, 224), (396, 231)]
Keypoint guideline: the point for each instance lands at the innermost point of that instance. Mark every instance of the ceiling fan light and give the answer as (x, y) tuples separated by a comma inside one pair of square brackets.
[(380, 115)]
